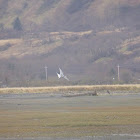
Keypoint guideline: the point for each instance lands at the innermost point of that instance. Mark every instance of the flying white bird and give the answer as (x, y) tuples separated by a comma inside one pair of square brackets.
[(61, 75)]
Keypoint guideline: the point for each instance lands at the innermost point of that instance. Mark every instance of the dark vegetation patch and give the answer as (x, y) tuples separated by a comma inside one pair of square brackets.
[(47, 5), (5, 47), (7, 34), (130, 13), (133, 47), (3, 5), (25, 5), (77, 5)]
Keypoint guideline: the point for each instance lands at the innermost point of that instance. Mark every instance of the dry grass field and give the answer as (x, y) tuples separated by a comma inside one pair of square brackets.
[(95, 121), (64, 89), (44, 115)]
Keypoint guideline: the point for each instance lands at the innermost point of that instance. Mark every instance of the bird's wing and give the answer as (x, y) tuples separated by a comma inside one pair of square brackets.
[(66, 78), (58, 75), (61, 73)]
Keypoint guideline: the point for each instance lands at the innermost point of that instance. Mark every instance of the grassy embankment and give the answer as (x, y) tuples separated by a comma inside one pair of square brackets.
[(64, 89)]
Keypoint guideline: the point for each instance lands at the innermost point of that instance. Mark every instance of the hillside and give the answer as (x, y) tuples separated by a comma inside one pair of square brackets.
[(86, 38)]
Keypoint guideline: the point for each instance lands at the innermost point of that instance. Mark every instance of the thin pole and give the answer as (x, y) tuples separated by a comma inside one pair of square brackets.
[(46, 70), (118, 72)]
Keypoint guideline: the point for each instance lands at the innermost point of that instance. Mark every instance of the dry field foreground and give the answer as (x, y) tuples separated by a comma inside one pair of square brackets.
[(43, 115), (74, 89), (92, 122)]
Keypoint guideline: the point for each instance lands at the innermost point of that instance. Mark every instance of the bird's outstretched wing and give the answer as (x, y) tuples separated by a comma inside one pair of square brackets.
[(66, 78), (61, 73)]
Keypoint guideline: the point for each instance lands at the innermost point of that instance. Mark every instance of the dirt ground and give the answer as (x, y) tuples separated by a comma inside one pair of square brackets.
[(52, 116)]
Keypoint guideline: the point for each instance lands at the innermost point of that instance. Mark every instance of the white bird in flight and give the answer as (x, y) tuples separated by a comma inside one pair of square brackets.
[(61, 74)]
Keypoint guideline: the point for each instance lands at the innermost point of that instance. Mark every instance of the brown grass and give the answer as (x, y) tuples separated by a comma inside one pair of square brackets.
[(10, 41), (63, 89)]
